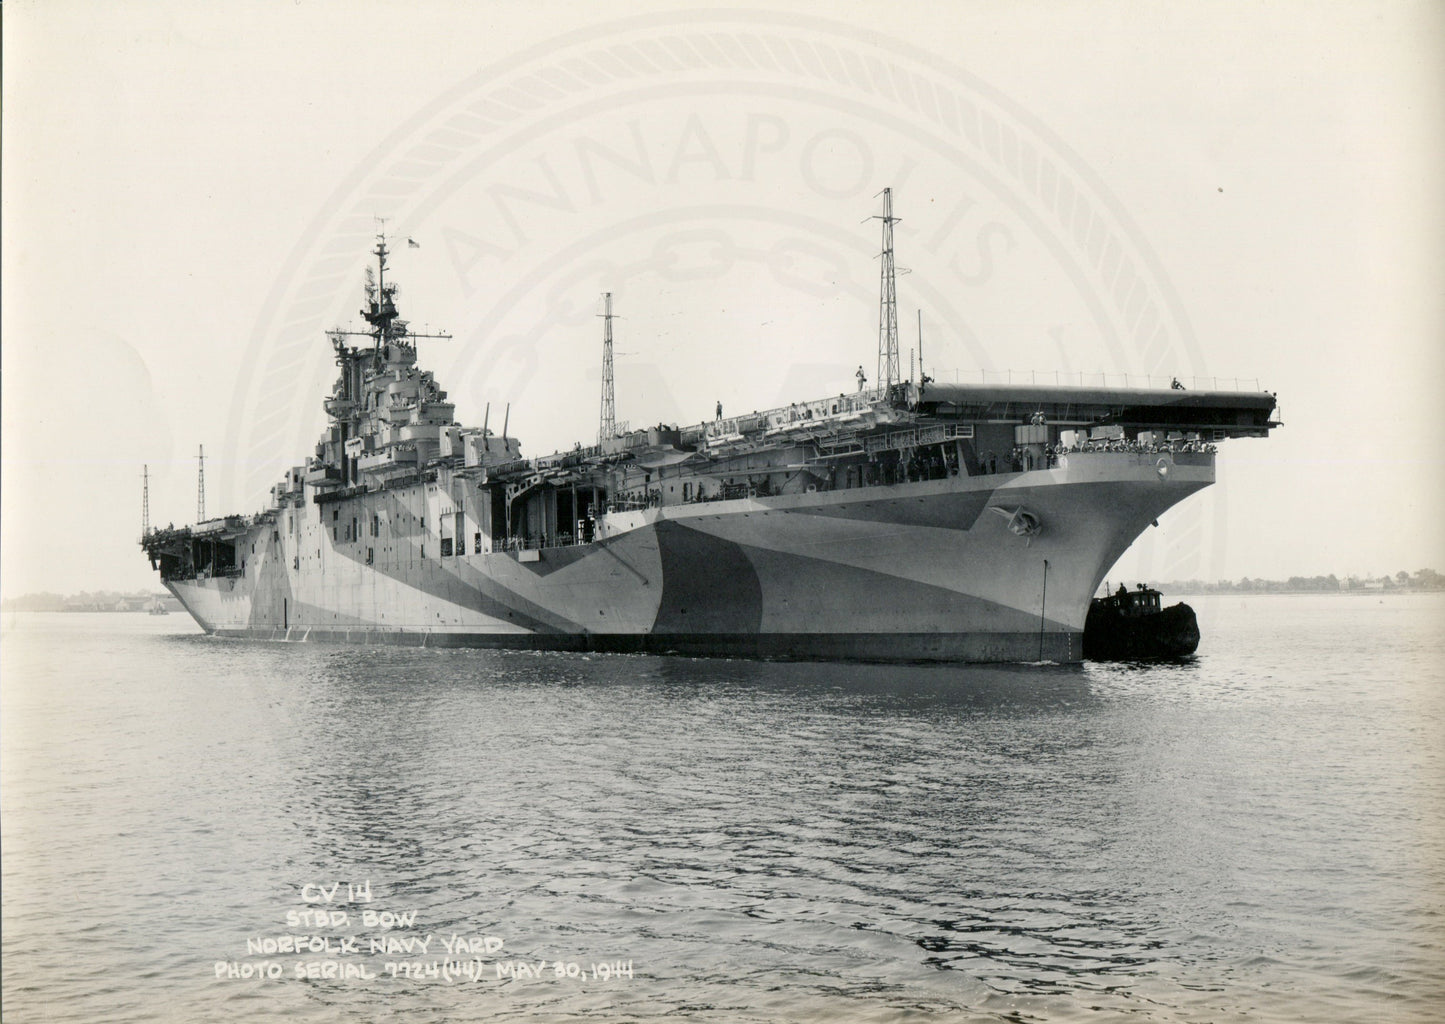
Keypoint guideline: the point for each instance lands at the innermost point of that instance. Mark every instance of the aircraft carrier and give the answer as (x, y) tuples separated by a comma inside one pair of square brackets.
[(906, 521)]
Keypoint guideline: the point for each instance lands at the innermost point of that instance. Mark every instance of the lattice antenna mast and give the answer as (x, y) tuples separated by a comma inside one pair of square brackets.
[(145, 501), (888, 370), (201, 485), (607, 428)]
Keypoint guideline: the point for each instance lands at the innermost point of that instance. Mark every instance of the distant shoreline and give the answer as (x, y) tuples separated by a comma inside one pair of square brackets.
[(1170, 591), (1425, 581), (87, 611), (102, 601)]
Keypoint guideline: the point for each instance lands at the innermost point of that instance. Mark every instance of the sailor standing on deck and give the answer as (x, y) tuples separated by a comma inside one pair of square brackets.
[(862, 378)]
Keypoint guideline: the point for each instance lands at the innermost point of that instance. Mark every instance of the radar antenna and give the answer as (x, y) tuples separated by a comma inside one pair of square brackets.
[(382, 309), (386, 326)]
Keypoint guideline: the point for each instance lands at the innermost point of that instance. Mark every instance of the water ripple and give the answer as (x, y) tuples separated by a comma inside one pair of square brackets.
[(1255, 835)]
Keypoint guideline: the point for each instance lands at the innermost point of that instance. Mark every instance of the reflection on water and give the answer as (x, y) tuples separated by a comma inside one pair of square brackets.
[(764, 841)]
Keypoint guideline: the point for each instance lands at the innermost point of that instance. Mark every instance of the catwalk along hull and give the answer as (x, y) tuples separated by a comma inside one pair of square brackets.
[(936, 569)]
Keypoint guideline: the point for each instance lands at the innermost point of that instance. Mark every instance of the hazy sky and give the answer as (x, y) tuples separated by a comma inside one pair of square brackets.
[(1233, 189)]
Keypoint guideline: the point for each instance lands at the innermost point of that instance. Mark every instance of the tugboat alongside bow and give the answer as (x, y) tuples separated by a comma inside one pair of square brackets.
[(911, 521), (1130, 625)]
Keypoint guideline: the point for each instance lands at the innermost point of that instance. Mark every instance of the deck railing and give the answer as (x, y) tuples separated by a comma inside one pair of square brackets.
[(1097, 379)]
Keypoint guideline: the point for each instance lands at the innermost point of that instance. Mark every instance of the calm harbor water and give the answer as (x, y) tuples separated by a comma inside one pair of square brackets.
[(1258, 835)]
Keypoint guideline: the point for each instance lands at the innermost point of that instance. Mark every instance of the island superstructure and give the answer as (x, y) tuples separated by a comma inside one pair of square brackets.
[(908, 521)]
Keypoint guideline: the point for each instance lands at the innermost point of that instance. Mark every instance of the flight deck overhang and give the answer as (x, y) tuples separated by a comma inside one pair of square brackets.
[(1234, 413)]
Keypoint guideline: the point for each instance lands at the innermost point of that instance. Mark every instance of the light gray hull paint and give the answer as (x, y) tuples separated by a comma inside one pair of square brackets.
[(913, 571)]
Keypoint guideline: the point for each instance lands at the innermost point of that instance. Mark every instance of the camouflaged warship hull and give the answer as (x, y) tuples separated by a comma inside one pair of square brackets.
[(909, 571), (912, 522)]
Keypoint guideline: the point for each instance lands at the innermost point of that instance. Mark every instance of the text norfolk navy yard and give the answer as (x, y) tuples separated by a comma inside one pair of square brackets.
[(910, 520)]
